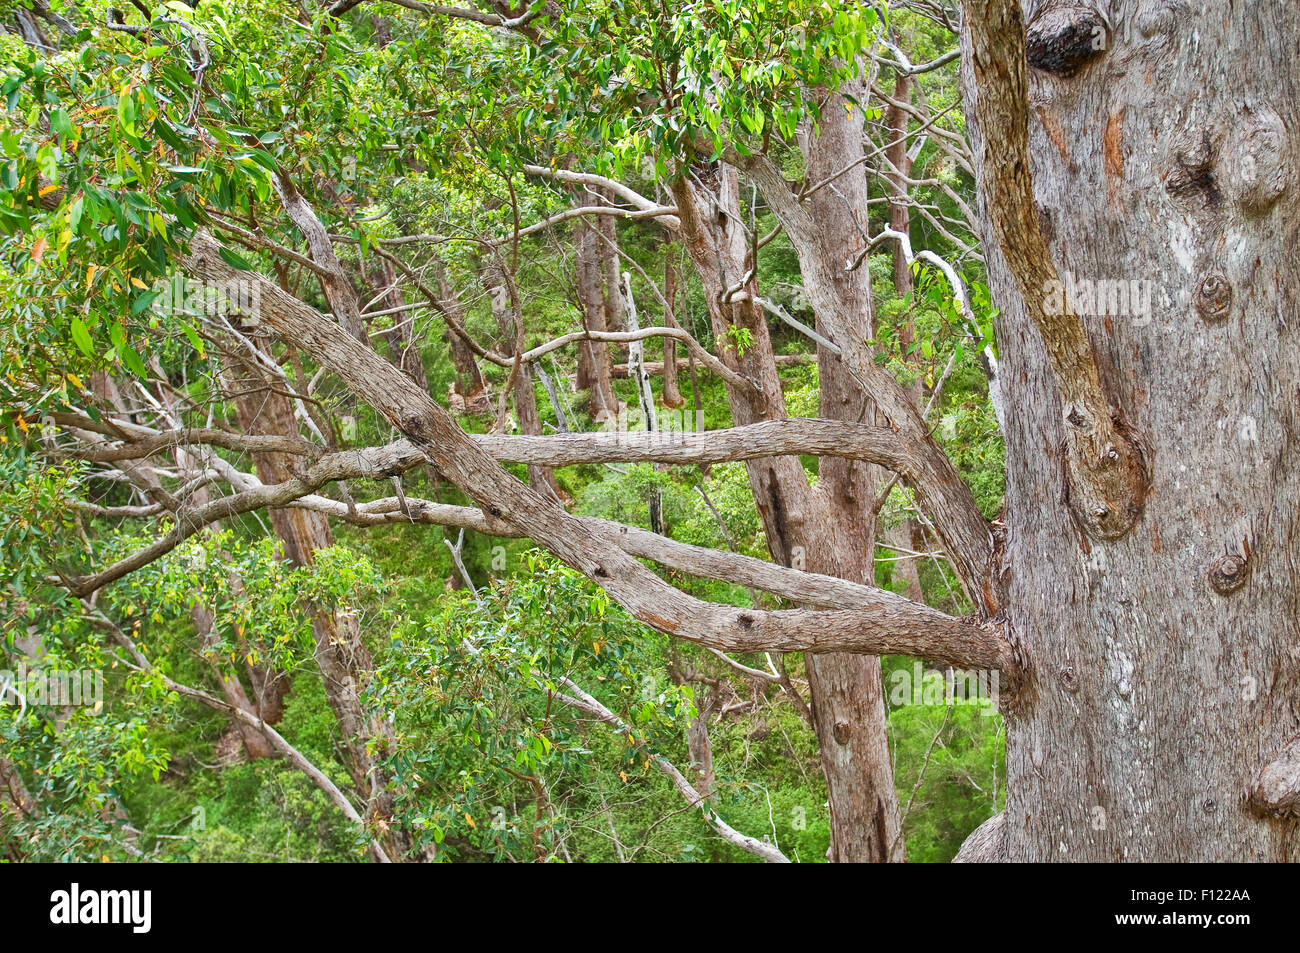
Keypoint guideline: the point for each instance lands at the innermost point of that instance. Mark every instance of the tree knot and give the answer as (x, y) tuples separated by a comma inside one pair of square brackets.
[(1064, 38), (1228, 573), (1105, 480)]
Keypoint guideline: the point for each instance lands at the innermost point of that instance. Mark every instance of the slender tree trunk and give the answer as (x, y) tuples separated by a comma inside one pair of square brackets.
[(469, 390), (806, 529), (255, 743), (899, 166), (341, 654), (672, 395), (530, 423), (1165, 668), (593, 356), (847, 690), (611, 269), (403, 347)]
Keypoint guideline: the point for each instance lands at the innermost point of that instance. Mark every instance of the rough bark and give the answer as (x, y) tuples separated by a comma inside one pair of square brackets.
[(593, 356), (1165, 670), (1107, 476), (334, 282)]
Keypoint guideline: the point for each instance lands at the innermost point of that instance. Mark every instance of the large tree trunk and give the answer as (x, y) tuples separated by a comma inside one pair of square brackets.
[(1165, 664)]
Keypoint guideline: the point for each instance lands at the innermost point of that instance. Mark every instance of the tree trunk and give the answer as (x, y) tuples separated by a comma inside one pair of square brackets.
[(847, 690), (898, 167), (255, 743), (1164, 664), (611, 272), (593, 356), (403, 347), (672, 395), (505, 310), (806, 529), (340, 652), (469, 392)]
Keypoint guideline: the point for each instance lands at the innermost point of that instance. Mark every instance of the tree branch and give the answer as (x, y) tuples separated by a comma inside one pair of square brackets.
[(642, 593), (1107, 476)]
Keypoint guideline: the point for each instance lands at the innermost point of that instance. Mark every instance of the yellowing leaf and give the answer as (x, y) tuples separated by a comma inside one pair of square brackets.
[(90, 274), (47, 190), (470, 821)]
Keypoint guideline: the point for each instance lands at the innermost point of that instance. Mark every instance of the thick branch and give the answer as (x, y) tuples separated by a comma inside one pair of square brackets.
[(642, 593), (629, 195), (1107, 477), (768, 438)]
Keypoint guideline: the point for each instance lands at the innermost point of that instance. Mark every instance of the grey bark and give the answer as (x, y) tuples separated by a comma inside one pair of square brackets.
[(1165, 670)]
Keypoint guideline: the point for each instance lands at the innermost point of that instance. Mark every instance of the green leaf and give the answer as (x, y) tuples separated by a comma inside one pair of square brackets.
[(60, 124), (193, 335), (132, 360), (234, 260), (81, 337)]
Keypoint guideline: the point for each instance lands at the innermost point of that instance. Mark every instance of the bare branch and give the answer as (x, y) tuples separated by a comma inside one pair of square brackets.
[(641, 592)]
